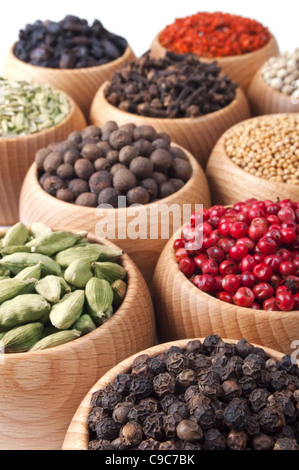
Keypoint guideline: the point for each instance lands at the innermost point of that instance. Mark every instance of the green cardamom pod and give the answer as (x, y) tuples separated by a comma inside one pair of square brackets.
[(4, 271), (1, 336), (109, 271), (10, 288), (119, 288), (22, 309), (85, 324), (49, 330), (99, 296), (19, 261), (39, 230), (56, 339), (52, 243), (32, 272), (8, 250), (78, 273), (109, 254), (16, 235), (21, 338), (90, 252), (50, 288), (66, 312)]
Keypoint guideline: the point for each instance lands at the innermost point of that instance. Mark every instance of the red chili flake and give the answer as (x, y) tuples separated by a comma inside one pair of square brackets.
[(214, 35)]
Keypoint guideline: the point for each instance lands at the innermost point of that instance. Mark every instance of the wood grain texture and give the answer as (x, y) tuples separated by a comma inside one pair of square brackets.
[(40, 391), (183, 311), (37, 205), (198, 135), (230, 184), (17, 155), (80, 84), (77, 436), (239, 68), (264, 99)]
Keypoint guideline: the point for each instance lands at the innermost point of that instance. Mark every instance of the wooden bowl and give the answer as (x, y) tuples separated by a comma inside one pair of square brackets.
[(80, 84), (263, 99), (183, 311), (77, 436), (37, 205), (40, 391), (198, 135), (229, 183), (240, 68), (18, 153)]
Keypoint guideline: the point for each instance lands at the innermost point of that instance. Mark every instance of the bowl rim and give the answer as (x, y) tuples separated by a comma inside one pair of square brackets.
[(246, 55), (193, 290), (73, 108), (156, 120), (81, 428), (255, 179), (196, 171), (94, 68), (116, 317)]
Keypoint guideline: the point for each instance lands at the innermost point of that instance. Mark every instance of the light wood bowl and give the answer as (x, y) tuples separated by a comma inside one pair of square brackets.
[(80, 84), (183, 311), (37, 205), (40, 391), (229, 183), (263, 99), (77, 437), (240, 68), (198, 135), (18, 153)]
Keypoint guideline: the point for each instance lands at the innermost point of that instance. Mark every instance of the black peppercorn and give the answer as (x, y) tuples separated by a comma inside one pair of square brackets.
[(179, 407), (244, 348), (121, 412), (258, 399), (100, 444), (230, 390), (189, 431), (148, 444), (235, 414), (153, 426), (95, 415), (141, 387), (237, 440), (106, 428), (168, 445), (110, 400), (252, 365), (209, 384), (168, 400), (286, 444), (214, 440), (157, 366), (131, 433), (146, 407), (263, 442), (271, 420), (163, 384), (279, 380), (176, 363), (186, 378), (170, 423)]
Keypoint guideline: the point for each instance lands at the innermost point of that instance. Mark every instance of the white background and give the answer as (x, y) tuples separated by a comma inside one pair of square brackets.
[(139, 21)]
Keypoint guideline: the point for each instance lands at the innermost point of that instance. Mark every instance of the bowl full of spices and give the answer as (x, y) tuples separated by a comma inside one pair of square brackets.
[(189, 395), (70, 54), (31, 115), (256, 158), (71, 307), (241, 278), (240, 45), (115, 181), (180, 95), (275, 87)]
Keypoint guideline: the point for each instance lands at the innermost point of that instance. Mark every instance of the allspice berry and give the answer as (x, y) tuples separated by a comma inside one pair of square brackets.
[(189, 431), (161, 160), (65, 195), (143, 147), (112, 157), (177, 152), (87, 199), (84, 168), (99, 181), (78, 186), (105, 147), (116, 167), (138, 195), (181, 169), (109, 196), (127, 153), (52, 184), (177, 183), (166, 189), (124, 180), (159, 177), (75, 136), (71, 156), (119, 138), (40, 157), (151, 186), (66, 171), (92, 152), (145, 132), (102, 164), (142, 167), (91, 131), (52, 162)]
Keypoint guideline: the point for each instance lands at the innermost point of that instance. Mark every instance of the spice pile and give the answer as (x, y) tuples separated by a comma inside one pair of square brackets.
[(172, 87), (209, 396), (214, 35), (282, 72), (249, 255), (97, 165), (68, 44), (55, 287), (27, 108), (267, 147)]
